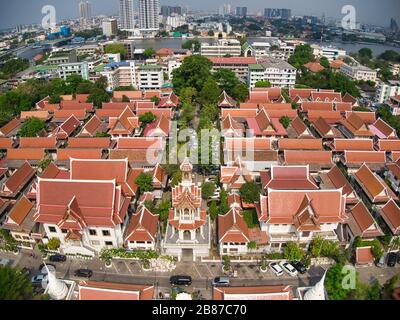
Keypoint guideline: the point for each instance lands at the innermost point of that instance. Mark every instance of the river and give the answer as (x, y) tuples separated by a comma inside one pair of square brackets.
[(176, 43)]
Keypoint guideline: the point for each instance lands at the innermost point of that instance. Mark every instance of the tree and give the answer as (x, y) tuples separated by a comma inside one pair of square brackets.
[(192, 44), (213, 210), (252, 245), (156, 100), (302, 55), (54, 99), (147, 118), (14, 284), (145, 182), (250, 192), (285, 121), (226, 80), (251, 218), (223, 205), (85, 87), (207, 190), (365, 52), (390, 55), (210, 92), (53, 244), (323, 61), (240, 92), (98, 96), (116, 48), (163, 211), (293, 252), (263, 84), (187, 95), (73, 82), (149, 52), (31, 127), (125, 99), (176, 178), (334, 283), (194, 72)]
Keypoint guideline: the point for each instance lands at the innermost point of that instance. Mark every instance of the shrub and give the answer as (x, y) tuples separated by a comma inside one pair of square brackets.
[(53, 244), (293, 252)]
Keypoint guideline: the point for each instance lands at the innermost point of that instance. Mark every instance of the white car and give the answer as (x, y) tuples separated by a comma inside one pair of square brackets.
[(5, 262), (276, 268), (288, 268)]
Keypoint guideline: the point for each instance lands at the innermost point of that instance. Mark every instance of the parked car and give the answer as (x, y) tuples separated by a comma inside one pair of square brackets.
[(299, 266), (392, 258), (180, 280), (83, 273), (58, 258), (275, 267), (221, 282), (37, 280), (398, 257), (5, 262), (288, 268), (382, 261)]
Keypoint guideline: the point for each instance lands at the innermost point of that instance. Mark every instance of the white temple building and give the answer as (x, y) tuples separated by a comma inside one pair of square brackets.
[(317, 292)]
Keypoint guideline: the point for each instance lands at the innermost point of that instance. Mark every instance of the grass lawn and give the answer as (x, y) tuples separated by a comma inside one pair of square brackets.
[(250, 216)]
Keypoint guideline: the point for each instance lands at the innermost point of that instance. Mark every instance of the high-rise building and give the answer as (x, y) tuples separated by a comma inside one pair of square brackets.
[(394, 26), (148, 15), (126, 14), (272, 13), (110, 27), (168, 10), (85, 12), (241, 11)]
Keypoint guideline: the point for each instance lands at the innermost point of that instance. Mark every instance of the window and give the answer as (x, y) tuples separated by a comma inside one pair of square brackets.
[(53, 229), (92, 232), (95, 243), (64, 230), (106, 233), (108, 243)]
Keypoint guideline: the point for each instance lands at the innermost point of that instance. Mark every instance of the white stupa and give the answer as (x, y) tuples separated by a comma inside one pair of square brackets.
[(316, 292), (56, 288)]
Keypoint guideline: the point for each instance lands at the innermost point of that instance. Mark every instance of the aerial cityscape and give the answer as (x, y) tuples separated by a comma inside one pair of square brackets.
[(215, 151)]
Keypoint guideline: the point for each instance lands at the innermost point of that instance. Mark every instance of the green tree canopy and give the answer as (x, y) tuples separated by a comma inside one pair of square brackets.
[(226, 79), (194, 72), (145, 182), (390, 55), (14, 284), (365, 52), (149, 52), (240, 92), (293, 252), (213, 210), (302, 55), (31, 127), (98, 96), (210, 92), (324, 62), (53, 244), (285, 121), (116, 48), (147, 118), (190, 44), (207, 190), (263, 84), (187, 95), (250, 192), (223, 205), (334, 283)]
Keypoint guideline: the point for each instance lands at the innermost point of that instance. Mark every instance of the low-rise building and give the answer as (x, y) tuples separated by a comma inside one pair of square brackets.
[(386, 90), (79, 68), (150, 77), (239, 65), (358, 72), (223, 47), (278, 72)]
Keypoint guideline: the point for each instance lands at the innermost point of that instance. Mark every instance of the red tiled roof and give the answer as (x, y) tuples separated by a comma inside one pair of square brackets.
[(353, 144), (338, 181), (288, 178), (314, 67), (239, 113), (361, 222), (364, 255), (93, 290), (10, 127), (360, 157), (75, 105), (388, 145), (232, 227), (61, 115), (383, 130), (343, 106), (300, 144), (390, 213), (66, 128), (42, 115), (133, 95), (142, 227), (253, 293), (326, 96), (103, 143), (66, 154), (247, 144), (76, 204), (329, 116), (258, 97), (323, 128), (233, 60), (285, 206), (25, 154), (302, 93), (143, 143), (6, 143), (307, 157), (91, 127), (18, 180), (117, 105), (42, 142), (318, 106), (150, 94), (19, 212), (366, 117)]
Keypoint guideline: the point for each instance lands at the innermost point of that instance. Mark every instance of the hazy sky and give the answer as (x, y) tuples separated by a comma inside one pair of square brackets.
[(14, 12)]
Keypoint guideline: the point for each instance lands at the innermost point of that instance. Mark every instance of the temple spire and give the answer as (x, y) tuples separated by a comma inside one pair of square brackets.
[(57, 289), (317, 292)]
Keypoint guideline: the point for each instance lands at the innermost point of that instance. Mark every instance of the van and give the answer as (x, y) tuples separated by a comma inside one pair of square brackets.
[(180, 280), (221, 282)]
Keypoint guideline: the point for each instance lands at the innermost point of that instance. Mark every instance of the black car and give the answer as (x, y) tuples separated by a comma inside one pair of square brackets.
[(392, 258), (83, 273), (398, 257), (180, 280), (58, 258), (299, 266)]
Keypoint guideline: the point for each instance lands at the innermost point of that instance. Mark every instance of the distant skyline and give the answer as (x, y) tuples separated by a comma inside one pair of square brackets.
[(17, 12)]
